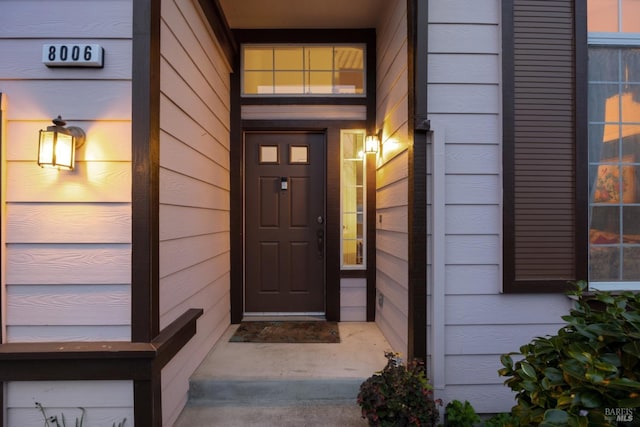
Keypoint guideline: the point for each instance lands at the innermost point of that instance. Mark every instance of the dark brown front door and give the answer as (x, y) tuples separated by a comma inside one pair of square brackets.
[(284, 222)]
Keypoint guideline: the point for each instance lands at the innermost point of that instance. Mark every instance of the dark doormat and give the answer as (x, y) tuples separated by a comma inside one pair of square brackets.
[(287, 332)]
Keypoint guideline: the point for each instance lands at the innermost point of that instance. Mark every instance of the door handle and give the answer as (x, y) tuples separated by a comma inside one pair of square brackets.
[(320, 241)]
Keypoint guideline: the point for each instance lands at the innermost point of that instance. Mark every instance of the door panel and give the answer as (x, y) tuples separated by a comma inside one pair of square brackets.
[(284, 222)]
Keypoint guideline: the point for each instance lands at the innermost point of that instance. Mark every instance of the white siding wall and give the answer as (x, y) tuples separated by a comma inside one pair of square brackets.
[(194, 190), (68, 245), (353, 300), (480, 323), (391, 176)]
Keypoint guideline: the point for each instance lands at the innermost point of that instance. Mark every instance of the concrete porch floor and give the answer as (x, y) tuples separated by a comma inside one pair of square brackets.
[(249, 384)]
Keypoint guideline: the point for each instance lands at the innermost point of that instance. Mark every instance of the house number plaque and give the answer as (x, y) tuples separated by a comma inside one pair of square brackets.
[(73, 55)]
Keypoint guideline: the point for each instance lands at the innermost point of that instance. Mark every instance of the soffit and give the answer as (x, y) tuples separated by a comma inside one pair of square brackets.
[(264, 14)]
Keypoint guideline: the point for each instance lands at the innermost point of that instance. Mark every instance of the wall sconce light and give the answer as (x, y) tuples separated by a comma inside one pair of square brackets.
[(58, 143), (372, 142)]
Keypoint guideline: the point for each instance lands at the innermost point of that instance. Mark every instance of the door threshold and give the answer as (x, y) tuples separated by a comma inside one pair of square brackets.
[(266, 317)]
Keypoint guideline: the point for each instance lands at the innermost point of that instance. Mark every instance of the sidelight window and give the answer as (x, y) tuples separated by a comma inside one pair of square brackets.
[(353, 199)]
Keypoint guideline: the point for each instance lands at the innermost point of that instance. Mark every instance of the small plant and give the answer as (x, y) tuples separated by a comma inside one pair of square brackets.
[(399, 395), (502, 420), (54, 418), (53, 421), (580, 376), (460, 414)]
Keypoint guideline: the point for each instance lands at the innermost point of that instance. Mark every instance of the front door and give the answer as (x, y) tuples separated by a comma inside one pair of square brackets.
[(284, 222)]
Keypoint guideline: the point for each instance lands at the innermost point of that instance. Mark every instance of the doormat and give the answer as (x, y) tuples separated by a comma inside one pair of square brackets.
[(302, 332)]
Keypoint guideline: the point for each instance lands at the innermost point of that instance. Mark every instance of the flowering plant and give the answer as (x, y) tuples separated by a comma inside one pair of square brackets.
[(399, 395)]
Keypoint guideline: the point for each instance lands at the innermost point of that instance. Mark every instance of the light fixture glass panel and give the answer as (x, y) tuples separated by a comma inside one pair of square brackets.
[(288, 82), (288, 58), (45, 151), (65, 151)]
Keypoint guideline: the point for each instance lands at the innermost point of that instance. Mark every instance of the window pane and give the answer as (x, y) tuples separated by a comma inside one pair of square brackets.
[(320, 82), (604, 65), (352, 200), (602, 15), (349, 82), (319, 58), (631, 266), (258, 82), (349, 58), (630, 15), (604, 264), (631, 225), (288, 82), (288, 58), (614, 156), (630, 65), (258, 58)]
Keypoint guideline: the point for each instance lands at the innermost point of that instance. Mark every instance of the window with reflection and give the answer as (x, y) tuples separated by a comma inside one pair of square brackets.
[(352, 199), (293, 70), (614, 143)]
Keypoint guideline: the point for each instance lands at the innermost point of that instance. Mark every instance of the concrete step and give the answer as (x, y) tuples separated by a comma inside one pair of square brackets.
[(248, 384), (276, 416), (278, 392)]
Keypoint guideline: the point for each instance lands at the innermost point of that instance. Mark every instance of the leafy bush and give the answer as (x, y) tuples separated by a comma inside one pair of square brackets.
[(460, 414), (502, 420), (586, 371), (399, 395)]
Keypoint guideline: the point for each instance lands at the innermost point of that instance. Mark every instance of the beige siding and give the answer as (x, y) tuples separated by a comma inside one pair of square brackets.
[(194, 189), (391, 176), (66, 258), (478, 323)]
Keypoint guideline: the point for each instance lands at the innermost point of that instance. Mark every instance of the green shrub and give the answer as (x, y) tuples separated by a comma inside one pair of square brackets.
[(502, 420), (460, 414), (586, 371), (399, 395)]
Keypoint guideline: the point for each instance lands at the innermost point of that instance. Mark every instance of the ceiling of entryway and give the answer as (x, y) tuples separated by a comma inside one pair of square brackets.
[(302, 13)]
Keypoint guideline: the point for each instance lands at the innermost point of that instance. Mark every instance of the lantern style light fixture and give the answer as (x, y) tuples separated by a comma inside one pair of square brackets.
[(372, 142), (58, 143)]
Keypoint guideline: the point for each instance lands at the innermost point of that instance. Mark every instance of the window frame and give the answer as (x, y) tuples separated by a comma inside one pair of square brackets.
[(612, 40), (304, 71), (363, 266)]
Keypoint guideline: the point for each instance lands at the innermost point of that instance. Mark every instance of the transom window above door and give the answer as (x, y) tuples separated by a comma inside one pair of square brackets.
[(303, 70)]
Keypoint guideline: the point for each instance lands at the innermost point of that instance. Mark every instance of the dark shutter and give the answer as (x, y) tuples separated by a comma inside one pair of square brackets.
[(544, 83)]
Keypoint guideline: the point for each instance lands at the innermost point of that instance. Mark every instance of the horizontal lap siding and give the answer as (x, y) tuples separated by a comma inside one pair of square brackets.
[(68, 233), (392, 176), (465, 104), (194, 190)]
